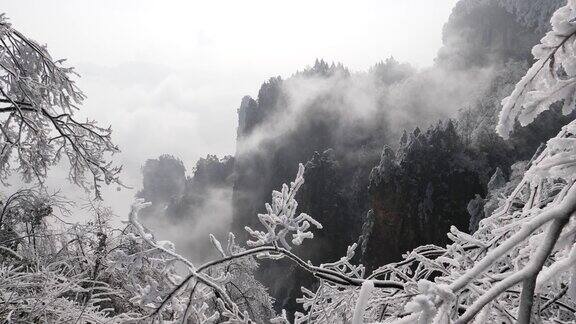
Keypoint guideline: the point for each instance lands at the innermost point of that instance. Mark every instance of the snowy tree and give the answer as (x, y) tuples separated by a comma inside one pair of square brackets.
[(55, 271), (38, 100)]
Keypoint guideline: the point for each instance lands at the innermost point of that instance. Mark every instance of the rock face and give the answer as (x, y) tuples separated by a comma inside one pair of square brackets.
[(418, 191), (440, 178), (163, 179), (176, 196), (186, 209), (275, 133), (486, 32), (337, 122), (483, 33), (211, 174), (253, 168)]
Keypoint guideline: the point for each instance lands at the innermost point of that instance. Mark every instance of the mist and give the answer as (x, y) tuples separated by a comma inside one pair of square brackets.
[(191, 234), (416, 98), (158, 106), (331, 144)]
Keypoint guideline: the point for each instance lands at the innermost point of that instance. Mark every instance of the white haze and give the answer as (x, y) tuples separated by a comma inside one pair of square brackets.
[(191, 236), (169, 76), (421, 99)]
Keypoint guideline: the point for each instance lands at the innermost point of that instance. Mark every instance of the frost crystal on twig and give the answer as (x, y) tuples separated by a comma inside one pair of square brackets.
[(281, 220)]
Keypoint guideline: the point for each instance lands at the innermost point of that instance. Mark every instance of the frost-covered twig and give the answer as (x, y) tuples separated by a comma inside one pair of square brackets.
[(281, 219), (362, 301), (139, 204), (38, 100), (552, 78)]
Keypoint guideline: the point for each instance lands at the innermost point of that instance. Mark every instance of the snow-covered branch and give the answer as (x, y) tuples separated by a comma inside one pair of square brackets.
[(551, 79), (38, 100), (281, 218)]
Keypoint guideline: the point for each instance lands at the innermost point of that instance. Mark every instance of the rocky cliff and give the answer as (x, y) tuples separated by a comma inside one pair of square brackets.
[(440, 177), (337, 122), (418, 191), (186, 209), (280, 129)]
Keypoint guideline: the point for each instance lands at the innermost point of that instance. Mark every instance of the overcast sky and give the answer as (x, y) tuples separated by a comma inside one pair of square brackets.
[(169, 75)]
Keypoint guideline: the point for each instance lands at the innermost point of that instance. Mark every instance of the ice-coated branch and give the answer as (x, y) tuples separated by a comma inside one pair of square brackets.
[(552, 78), (528, 273), (38, 100), (320, 271), (557, 267), (147, 237), (561, 211), (281, 218), (362, 302)]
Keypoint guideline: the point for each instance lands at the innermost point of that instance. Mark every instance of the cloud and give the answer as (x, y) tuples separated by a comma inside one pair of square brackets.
[(434, 93), (191, 234), (360, 101), (153, 110)]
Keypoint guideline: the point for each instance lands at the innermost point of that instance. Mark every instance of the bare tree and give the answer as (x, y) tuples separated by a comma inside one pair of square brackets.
[(38, 99)]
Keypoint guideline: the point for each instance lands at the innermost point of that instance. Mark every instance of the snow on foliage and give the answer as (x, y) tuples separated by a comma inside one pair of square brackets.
[(517, 267), (362, 302), (550, 80), (342, 297)]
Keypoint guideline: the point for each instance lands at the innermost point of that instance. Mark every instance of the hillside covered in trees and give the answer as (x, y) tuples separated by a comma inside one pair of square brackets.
[(396, 155), (444, 194)]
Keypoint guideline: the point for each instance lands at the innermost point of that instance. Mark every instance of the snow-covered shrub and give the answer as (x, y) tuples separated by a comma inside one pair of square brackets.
[(55, 271), (51, 274)]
